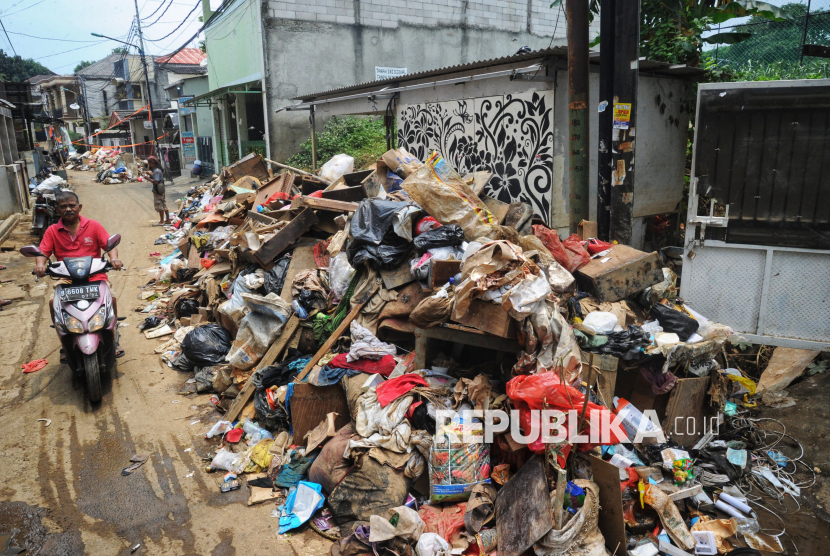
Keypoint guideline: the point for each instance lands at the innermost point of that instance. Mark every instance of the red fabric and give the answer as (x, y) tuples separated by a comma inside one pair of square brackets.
[(279, 195), (383, 367), (35, 365), (568, 253), (90, 241), (321, 257), (411, 411), (234, 435), (544, 391), (317, 194), (393, 389)]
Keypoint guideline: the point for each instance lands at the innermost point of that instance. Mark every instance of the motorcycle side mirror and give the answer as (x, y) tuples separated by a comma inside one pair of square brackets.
[(113, 242), (31, 251)]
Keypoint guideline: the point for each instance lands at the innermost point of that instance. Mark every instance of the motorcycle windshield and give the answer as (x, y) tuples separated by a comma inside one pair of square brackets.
[(78, 267)]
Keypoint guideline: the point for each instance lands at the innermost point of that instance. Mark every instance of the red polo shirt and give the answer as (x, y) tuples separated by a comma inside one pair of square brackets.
[(90, 241)]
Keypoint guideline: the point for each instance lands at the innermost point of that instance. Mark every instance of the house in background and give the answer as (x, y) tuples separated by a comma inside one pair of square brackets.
[(263, 53)]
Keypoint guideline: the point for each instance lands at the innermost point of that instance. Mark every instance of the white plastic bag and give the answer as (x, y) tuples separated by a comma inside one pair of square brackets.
[(340, 275), (258, 329), (526, 297), (339, 165), (600, 322), (431, 544)]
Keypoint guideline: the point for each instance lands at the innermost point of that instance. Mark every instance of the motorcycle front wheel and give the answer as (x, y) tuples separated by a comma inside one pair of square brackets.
[(93, 377)]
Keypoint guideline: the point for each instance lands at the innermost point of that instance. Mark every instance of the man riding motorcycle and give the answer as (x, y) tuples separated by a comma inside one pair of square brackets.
[(75, 236)]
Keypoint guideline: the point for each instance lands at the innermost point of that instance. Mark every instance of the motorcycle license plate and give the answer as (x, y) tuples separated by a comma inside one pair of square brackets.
[(77, 293)]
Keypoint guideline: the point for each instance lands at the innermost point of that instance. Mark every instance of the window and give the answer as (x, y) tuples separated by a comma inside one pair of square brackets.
[(106, 109), (188, 126)]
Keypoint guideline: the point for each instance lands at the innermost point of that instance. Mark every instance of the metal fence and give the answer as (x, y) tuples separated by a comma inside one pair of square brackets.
[(777, 42)]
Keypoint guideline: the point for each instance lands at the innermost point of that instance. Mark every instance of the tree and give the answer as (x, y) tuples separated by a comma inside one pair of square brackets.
[(82, 65), (119, 50), (15, 68)]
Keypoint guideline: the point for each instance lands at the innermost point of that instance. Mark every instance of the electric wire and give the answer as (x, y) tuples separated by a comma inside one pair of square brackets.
[(160, 16), (154, 11), (70, 50), (23, 9), (7, 37), (177, 27), (46, 38)]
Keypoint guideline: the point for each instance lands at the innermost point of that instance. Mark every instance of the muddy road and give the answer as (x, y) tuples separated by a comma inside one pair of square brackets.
[(61, 488)]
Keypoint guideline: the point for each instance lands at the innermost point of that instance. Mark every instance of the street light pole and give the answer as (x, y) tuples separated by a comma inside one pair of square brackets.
[(81, 96), (146, 84)]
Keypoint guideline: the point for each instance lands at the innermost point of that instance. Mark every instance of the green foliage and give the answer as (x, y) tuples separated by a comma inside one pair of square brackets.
[(363, 138), (82, 65), (119, 50), (817, 367), (772, 41), (817, 68), (15, 68)]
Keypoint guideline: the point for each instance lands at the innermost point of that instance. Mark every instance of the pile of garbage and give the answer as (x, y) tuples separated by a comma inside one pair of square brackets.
[(406, 365), (111, 165)]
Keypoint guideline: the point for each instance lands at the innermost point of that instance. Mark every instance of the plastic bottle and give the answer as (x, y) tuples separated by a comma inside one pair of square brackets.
[(631, 417), (299, 309)]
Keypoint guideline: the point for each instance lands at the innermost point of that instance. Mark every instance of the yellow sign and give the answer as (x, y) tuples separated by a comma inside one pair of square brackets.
[(622, 115)]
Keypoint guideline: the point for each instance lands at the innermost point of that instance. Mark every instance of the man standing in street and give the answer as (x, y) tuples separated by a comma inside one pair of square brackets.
[(156, 176)]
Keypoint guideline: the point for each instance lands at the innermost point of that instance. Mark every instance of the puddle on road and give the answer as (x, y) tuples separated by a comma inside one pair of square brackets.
[(25, 525)]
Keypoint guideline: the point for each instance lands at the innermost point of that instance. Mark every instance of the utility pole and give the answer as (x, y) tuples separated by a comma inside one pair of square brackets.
[(156, 150), (606, 109), (87, 125), (626, 76), (578, 127)]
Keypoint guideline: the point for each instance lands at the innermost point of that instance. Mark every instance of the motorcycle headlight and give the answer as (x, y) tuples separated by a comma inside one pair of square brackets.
[(72, 324), (98, 320)]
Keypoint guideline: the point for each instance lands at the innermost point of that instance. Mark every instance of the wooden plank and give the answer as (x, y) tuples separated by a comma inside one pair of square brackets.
[(285, 237), (521, 520), (611, 521), (625, 271), (686, 411), (268, 359), (785, 365), (250, 165), (310, 404), (193, 258), (337, 333), (323, 204), (489, 317), (441, 271), (301, 259), (347, 194)]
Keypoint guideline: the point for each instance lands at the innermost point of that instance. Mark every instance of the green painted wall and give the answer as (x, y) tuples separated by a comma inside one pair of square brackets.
[(233, 46)]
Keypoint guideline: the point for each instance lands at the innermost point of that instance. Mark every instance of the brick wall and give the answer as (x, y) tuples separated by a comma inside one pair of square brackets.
[(504, 15)]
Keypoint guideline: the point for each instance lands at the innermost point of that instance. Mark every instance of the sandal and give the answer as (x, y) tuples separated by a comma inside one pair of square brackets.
[(119, 352)]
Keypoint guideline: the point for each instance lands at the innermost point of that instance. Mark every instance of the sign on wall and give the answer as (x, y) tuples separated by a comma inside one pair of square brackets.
[(388, 73), (185, 110), (188, 146), (510, 136)]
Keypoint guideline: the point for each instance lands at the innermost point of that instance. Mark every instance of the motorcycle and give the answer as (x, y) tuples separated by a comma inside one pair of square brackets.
[(85, 318), (45, 210)]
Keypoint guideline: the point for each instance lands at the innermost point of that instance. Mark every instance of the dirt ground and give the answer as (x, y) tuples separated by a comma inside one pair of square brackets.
[(61, 488)]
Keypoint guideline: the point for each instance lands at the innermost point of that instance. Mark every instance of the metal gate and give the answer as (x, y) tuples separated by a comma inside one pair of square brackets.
[(759, 199), (173, 162), (204, 150)]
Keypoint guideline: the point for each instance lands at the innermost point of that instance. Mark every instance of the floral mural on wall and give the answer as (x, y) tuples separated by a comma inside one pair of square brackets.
[(510, 135)]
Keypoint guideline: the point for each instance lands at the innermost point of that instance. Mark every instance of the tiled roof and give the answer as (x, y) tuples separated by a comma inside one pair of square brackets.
[(192, 56)]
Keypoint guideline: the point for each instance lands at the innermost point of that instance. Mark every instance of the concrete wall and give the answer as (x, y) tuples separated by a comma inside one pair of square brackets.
[(316, 45)]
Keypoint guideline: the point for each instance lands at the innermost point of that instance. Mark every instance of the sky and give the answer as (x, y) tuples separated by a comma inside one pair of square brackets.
[(59, 30)]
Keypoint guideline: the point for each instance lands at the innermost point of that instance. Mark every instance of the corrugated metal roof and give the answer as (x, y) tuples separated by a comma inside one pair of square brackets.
[(559, 51), (646, 66), (186, 69), (104, 68), (184, 56)]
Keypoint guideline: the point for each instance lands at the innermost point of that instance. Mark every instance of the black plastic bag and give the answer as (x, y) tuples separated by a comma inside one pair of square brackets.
[(150, 322), (275, 278), (207, 345), (372, 219), (280, 374), (187, 308), (625, 344), (270, 419), (182, 363), (445, 236), (384, 257), (311, 299), (674, 321)]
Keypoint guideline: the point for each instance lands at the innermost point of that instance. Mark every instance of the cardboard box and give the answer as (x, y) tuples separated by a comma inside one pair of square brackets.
[(489, 317), (622, 272), (587, 229)]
